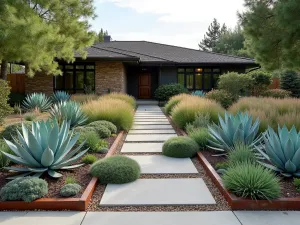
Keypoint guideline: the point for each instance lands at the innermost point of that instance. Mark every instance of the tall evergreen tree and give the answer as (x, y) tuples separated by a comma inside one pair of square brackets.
[(290, 81), (272, 30), (100, 36), (211, 37), (39, 32)]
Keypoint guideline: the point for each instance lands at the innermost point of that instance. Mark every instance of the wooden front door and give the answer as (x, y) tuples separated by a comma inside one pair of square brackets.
[(145, 85)]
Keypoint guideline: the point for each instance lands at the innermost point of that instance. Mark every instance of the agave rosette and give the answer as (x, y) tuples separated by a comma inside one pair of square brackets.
[(282, 151), (232, 130), (61, 96), (37, 101), (46, 148)]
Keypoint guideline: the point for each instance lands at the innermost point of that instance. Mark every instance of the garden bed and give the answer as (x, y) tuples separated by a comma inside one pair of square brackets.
[(289, 200), (53, 201)]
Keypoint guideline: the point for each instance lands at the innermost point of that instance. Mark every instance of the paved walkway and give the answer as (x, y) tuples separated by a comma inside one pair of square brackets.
[(145, 140)]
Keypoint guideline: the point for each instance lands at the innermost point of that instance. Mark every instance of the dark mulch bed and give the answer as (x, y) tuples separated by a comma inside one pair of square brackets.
[(288, 189), (54, 185)]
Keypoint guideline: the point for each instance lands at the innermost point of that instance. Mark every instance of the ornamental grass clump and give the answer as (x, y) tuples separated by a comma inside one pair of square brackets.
[(89, 159), (180, 147), (241, 153), (201, 136), (174, 101), (282, 151), (116, 170), (84, 98), (26, 189), (116, 111), (233, 130), (121, 96), (69, 111), (270, 111), (47, 147), (253, 181), (186, 111), (37, 101)]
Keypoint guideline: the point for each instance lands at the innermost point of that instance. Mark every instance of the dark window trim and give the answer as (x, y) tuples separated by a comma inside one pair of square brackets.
[(74, 70), (202, 73)]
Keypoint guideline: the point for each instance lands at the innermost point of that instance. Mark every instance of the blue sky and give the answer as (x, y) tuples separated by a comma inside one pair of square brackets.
[(174, 22)]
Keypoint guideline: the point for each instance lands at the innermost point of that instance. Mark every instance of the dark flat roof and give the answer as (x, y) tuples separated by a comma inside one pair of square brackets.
[(150, 52)]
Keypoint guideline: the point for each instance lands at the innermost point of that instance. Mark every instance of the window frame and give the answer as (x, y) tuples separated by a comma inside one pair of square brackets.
[(211, 73), (74, 89)]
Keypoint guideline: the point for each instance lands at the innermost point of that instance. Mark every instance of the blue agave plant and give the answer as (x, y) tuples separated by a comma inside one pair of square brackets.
[(60, 96), (70, 111), (199, 93), (46, 148), (233, 130), (37, 101), (282, 150)]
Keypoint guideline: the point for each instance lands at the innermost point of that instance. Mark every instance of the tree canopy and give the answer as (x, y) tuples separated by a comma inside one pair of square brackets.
[(40, 32), (272, 32), (100, 36)]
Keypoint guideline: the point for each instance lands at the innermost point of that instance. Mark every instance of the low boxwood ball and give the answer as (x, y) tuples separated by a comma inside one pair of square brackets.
[(180, 147)]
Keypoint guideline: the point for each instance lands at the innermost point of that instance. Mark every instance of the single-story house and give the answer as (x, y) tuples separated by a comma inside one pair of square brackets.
[(138, 68)]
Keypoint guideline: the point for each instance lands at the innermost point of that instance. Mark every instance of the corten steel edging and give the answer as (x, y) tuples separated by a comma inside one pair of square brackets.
[(237, 203), (76, 204)]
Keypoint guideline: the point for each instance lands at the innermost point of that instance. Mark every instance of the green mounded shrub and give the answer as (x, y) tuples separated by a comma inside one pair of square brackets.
[(89, 159), (11, 130), (70, 180), (187, 110), (91, 139), (16, 98), (165, 92), (4, 161), (236, 84), (121, 96), (201, 136), (261, 81), (102, 131), (290, 81), (27, 189), (241, 153), (180, 147), (69, 190), (116, 111), (115, 170), (253, 181), (222, 97), (276, 93), (5, 109), (113, 129), (173, 101)]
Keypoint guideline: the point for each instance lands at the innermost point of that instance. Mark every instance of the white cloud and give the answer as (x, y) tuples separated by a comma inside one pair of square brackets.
[(172, 11)]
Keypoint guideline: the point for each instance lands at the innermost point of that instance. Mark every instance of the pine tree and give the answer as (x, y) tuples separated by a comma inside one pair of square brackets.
[(290, 81), (100, 36), (40, 32), (211, 37)]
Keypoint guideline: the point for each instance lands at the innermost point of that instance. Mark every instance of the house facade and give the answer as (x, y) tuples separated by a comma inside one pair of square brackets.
[(138, 68)]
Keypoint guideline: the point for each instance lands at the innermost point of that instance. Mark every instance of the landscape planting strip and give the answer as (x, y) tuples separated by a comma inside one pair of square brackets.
[(221, 203), (76, 204)]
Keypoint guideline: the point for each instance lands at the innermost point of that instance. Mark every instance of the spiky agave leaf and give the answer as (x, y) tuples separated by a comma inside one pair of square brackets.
[(45, 148), (232, 130), (199, 93), (60, 96), (37, 101), (70, 111), (281, 150)]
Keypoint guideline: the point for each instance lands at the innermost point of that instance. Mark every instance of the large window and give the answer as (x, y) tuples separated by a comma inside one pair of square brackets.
[(203, 78), (76, 78)]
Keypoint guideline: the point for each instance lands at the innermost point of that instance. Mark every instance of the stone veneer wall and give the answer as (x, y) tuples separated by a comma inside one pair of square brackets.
[(110, 75), (41, 82)]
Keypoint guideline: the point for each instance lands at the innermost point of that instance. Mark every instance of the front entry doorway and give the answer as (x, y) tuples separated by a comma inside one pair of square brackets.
[(145, 86)]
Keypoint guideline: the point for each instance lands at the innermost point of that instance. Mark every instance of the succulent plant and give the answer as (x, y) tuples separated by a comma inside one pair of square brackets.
[(46, 148), (69, 111), (60, 96), (233, 130), (282, 150), (199, 93), (37, 101)]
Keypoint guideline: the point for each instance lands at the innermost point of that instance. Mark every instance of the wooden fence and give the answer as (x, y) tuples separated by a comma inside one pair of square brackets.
[(17, 83)]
